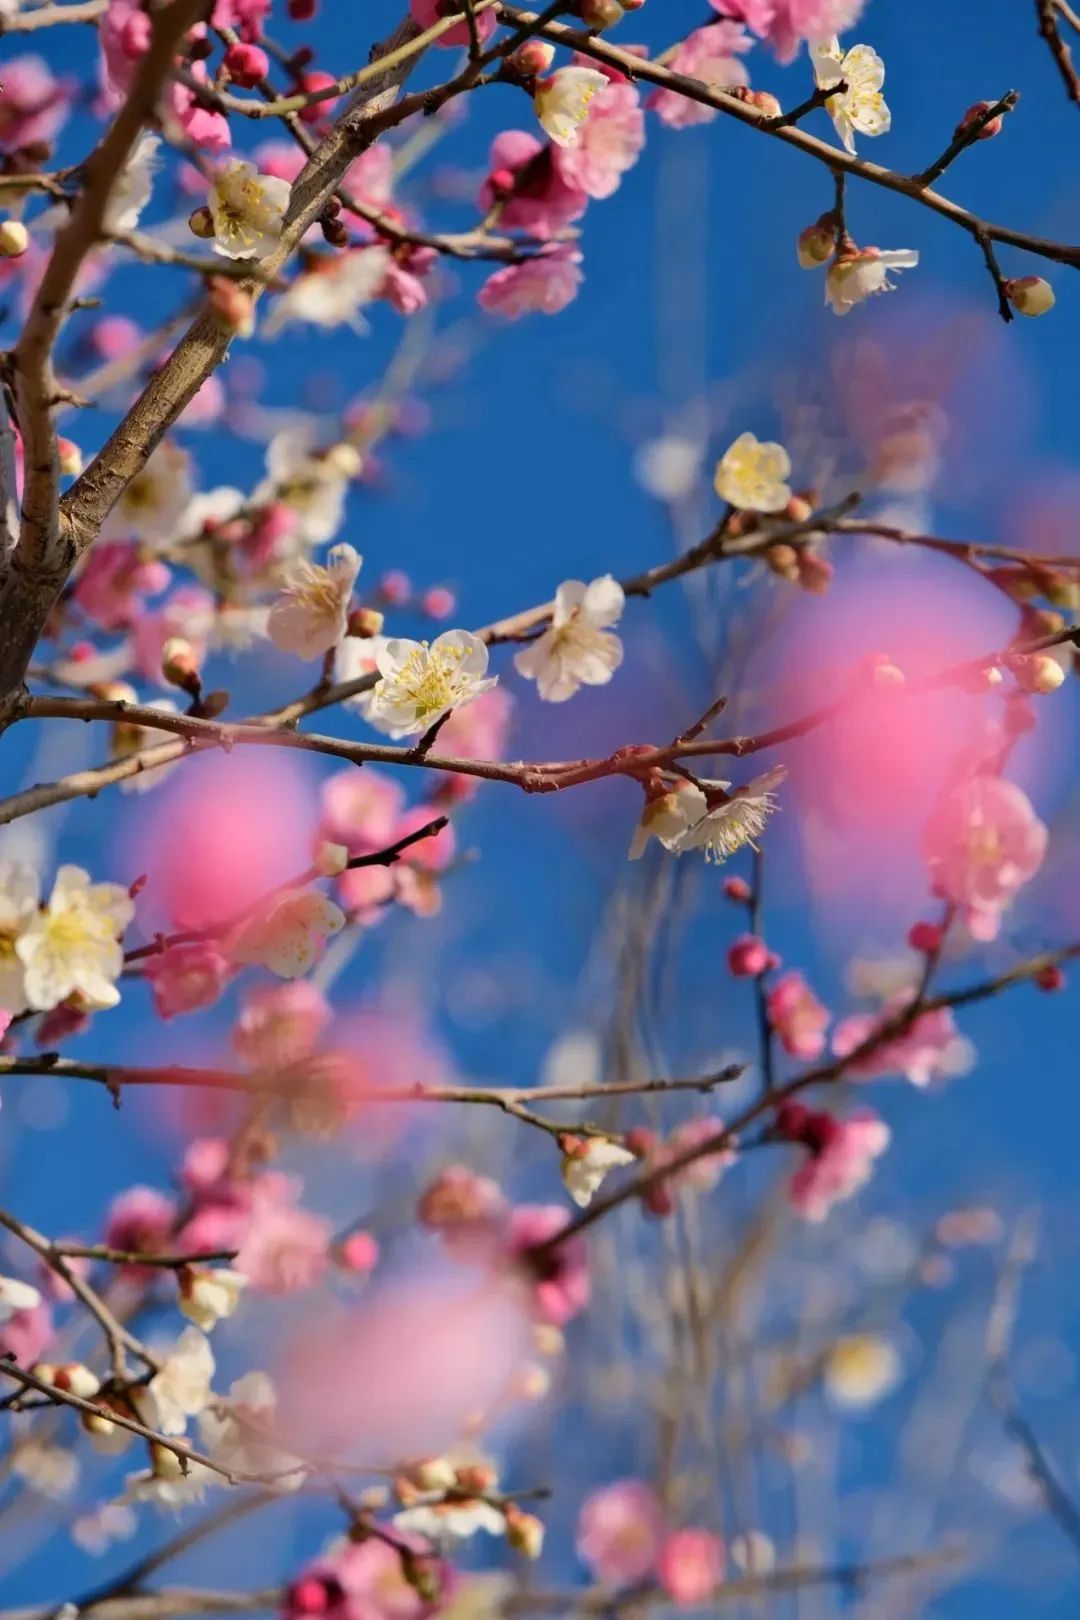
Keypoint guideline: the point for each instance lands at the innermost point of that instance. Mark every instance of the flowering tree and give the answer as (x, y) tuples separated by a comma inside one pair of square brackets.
[(396, 1301)]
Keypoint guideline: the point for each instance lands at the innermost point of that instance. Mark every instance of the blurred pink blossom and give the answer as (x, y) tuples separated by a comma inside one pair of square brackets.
[(691, 1566), (797, 1016), (983, 843), (533, 190), (931, 1049), (620, 1532), (840, 1155), (558, 1281), (711, 55), (187, 977), (542, 285)]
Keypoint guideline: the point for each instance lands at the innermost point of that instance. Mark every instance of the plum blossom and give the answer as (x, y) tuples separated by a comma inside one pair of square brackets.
[(426, 13), (187, 977), (668, 816), (690, 1566), (153, 503), (280, 1024), (18, 905), (542, 285), (285, 1248), (187, 117), (419, 683), (289, 935), (207, 1296), (620, 1532), (563, 101), (468, 1211), (738, 819), (16, 1296), (711, 55), (559, 1281), (166, 1483), (785, 24), (234, 1430), (332, 291), (702, 1173), (139, 1221), (309, 484), (95, 1532), (752, 476), (928, 1049), (609, 142), (840, 1156), (445, 1523), (72, 946), (248, 209), (530, 186), (797, 1017), (114, 579), (311, 614), (579, 649), (982, 844), (182, 1387), (26, 1334), (853, 277), (586, 1161), (860, 105), (130, 191), (859, 1370), (34, 104), (361, 809)]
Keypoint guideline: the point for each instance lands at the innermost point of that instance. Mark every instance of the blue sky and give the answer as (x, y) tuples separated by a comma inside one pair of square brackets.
[(693, 317)]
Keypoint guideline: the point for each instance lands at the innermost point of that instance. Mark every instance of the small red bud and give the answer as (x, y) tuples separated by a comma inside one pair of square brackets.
[(925, 937), (1050, 978), (737, 888)]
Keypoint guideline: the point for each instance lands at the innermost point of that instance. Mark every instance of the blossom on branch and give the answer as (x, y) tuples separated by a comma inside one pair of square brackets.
[(563, 101), (859, 106), (72, 946), (579, 649), (288, 935), (541, 285), (247, 209), (419, 683), (852, 277), (311, 614), (751, 475), (982, 844), (712, 56)]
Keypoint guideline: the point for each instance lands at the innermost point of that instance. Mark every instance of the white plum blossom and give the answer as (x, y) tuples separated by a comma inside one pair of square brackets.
[(247, 209), (738, 820), (667, 817), (132, 187), (311, 614), (420, 683), (237, 1433), (447, 1523), (333, 291), (859, 1370), (311, 485), (288, 936), (207, 1296), (562, 102), (152, 506), (72, 946), (586, 1164), (853, 277), (668, 467), (18, 905), (860, 106), (95, 1532), (182, 1386), (167, 1484), (356, 658), (16, 1296), (578, 649), (52, 1471), (751, 475)]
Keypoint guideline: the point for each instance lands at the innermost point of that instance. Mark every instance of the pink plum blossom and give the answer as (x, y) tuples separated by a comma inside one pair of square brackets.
[(982, 844), (202, 126), (188, 613), (609, 142), (140, 1221), (246, 16), (711, 55), (115, 578), (280, 1024), (691, 1566), (282, 160), (785, 24), (411, 880), (124, 36), (360, 809), (286, 1248), (797, 1017), (26, 1334), (541, 285), (840, 1156), (426, 13), (533, 190), (930, 1049), (468, 1212), (187, 977), (620, 1532), (34, 104), (559, 1280)]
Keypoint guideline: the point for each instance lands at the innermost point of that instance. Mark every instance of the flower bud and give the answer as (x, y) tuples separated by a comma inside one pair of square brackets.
[(1050, 978), (600, 14), (524, 1532), (359, 1253), (815, 573), (435, 1474), (70, 457), (816, 245), (974, 112), (43, 1371), (925, 937), (233, 306), (438, 602), (748, 957), (345, 459), (247, 65), (395, 587), (331, 859), (783, 561), (365, 622), (798, 509), (201, 224), (179, 664), (1030, 295), (76, 1379), (533, 58), (737, 888), (14, 238), (1038, 673)]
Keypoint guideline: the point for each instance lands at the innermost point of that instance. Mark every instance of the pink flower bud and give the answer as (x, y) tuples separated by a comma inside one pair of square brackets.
[(395, 587), (70, 457), (531, 59), (247, 65), (748, 957), (438, 602), (976, 111), (309, 83), (925, 937), (359, 1252), (1050, 978), (737, 888)]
